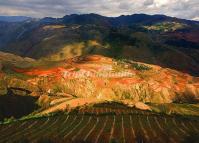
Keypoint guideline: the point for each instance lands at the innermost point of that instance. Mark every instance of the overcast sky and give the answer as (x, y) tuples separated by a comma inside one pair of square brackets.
[(188, 9)]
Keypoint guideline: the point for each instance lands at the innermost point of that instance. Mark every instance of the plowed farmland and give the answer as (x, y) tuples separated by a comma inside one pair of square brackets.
[(103, 123)]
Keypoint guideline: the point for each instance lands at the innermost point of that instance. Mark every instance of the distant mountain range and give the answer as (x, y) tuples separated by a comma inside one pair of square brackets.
[(122, 20), (14, 18), (154, 39)]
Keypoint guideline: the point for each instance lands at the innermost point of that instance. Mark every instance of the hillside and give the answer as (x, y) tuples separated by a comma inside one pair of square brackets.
[(104, 77), (94, 78), (143, 38), (102, 123)]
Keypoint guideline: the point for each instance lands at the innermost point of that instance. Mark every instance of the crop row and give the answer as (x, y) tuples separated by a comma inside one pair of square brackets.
[(122, 128)]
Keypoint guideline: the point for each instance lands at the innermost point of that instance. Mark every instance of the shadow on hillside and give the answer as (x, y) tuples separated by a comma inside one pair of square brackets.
[(191, 138), (12, 105)]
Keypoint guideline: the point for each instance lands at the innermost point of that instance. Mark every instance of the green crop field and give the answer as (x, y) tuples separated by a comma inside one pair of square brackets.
[(103, 123)]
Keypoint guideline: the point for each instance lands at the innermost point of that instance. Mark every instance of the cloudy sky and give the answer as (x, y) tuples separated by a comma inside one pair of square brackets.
[(188, 9)]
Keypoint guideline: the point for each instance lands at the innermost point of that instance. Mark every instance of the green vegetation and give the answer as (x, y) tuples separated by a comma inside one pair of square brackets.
[(8, 120), (122, 62), (166, 26), (126, 95), (8, 69), (11, 73), (140, 67), (176, 109)]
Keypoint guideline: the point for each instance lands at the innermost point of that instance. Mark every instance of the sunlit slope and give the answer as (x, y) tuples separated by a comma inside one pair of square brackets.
[(106, 78)]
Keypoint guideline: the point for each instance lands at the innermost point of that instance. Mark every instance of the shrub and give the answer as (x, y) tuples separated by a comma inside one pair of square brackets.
[(126, 95), (8, 120), (140, 67), (44, 101)]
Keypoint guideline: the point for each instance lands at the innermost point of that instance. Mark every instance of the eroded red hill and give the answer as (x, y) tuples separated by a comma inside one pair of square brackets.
[(106, 78)]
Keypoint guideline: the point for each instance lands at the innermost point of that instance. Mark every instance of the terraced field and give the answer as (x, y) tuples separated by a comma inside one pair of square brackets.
[(103, 123)]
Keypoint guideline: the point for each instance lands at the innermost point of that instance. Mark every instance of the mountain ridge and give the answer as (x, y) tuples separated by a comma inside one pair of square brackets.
[(155, 39), (14, 18), (114, 20)]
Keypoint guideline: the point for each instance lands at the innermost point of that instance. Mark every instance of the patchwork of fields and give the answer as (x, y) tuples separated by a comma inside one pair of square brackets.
[(103, 123)]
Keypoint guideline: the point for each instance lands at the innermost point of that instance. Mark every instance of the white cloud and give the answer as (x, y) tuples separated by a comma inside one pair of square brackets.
[(159, 3), (196, 18)]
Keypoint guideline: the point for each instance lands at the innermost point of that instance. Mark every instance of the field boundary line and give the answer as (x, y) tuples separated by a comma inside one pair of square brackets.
[(40, 126), (131, 124), (6, 127), (152, 130), (185, 127), (20, 126), (178, 127), (24, 131), (97, 138), (166, 134), (80, 131), (190, 123), (112, 129), (123, 136), (85, 138), (64, 129), (142, 128), (74, 127), (40, 131)]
